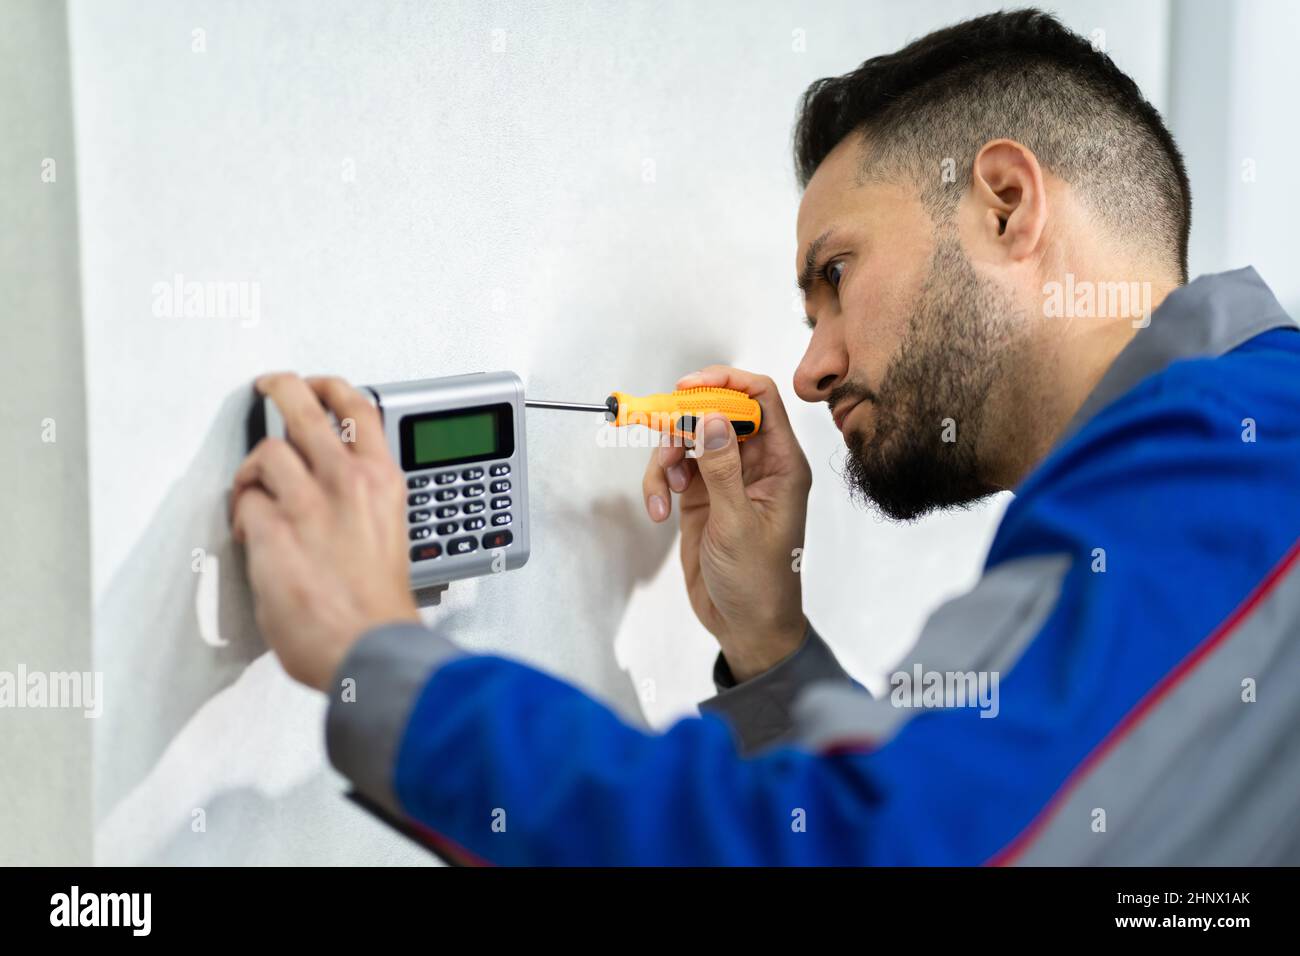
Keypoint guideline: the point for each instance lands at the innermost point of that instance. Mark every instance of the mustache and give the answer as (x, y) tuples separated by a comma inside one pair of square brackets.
[(849, 391)]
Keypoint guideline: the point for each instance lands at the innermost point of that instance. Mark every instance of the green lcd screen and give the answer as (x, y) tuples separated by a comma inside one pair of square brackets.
[(436, 441)]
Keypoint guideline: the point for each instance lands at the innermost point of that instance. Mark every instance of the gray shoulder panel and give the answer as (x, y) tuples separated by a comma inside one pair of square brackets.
[(1210, 316)]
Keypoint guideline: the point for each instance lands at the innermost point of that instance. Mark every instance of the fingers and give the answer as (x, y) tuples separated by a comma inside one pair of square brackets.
[(284, 472), (254, 517), (305, 421), (273, 555), (720, 467), (654, 489), (352, 408), (279, 471), (761, 388), (667, 470), (678, 468)]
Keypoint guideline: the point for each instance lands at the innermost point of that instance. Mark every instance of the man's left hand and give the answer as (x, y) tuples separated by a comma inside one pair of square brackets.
[(323, 523)]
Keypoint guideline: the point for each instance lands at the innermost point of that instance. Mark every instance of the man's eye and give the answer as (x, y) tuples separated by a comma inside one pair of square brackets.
[(832, 272)]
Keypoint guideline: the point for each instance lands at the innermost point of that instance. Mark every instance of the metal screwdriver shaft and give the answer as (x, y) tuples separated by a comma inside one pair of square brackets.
[(609, 409), (567, 406)]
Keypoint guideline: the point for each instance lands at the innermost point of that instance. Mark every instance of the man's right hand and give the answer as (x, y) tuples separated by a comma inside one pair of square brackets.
[(743, 510)]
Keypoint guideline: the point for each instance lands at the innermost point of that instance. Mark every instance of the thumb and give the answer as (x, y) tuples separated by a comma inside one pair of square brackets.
[(719, 464)]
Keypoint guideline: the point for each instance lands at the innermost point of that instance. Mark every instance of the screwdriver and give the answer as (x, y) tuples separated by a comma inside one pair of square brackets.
[(675, 413)]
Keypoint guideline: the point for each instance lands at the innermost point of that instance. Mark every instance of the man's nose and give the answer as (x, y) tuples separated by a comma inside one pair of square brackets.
[(824, 365)]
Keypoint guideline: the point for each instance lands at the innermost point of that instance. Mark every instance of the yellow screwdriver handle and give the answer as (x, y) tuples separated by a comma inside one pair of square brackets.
[(677, 412)]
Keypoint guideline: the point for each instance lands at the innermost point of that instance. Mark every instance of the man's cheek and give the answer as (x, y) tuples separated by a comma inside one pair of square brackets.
[(871, 349)]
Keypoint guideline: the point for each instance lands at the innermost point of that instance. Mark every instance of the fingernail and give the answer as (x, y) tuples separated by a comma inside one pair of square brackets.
[(717, 432), (677, 478), (658, 508)]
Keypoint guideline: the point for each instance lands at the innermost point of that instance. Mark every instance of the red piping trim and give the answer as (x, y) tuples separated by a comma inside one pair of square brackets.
[(448, 847)]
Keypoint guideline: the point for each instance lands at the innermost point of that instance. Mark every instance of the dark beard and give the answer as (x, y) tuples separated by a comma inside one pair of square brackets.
[(957, 345)]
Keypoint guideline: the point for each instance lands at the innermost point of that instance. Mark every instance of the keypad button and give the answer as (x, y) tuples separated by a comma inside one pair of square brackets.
[(417, 482), (446, 511), (461, 545), (499, 486), (496, 471), (500, 503), (426, 552), (501, 517), (472, 491), (447, 527), (473, 524), (419, 517), (446, 478), (443, 494), (497, 539), (419, 534), (473, 507), (472, 474), (415, 500)]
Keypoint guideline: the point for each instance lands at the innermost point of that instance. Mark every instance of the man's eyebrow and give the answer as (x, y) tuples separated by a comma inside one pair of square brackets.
[(810, 261)]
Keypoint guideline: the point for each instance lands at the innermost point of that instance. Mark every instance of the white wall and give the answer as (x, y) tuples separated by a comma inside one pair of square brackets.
[(1233, 110), (503, 215), (45, 813)]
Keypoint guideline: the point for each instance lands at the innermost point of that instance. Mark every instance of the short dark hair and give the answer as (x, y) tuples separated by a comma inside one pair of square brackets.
[(1020, 75)]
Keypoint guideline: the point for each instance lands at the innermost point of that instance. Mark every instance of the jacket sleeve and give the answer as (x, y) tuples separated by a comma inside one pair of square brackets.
[(761, 711), (491, 760), (504, 764)]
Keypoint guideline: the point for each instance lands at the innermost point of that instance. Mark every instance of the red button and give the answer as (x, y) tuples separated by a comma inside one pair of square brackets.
[(425, 552)]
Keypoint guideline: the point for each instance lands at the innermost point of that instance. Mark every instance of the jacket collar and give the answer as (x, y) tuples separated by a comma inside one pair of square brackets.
[(1208, 317)]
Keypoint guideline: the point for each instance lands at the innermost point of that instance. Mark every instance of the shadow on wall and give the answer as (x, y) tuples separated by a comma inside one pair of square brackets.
[(563, 610), (157, 667), (163, 656), (246, 827)]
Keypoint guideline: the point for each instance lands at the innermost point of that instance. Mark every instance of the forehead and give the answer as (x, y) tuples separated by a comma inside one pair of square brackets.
[(831, 185), (838, 201)]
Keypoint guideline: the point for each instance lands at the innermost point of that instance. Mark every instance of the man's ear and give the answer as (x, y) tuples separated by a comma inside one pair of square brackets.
[(1007, 187)]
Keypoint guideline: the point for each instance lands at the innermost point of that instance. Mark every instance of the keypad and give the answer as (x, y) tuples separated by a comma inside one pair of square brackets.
[(462, 494)]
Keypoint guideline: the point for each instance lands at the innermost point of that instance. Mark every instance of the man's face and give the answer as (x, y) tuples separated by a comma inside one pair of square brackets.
[(907, 339)]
